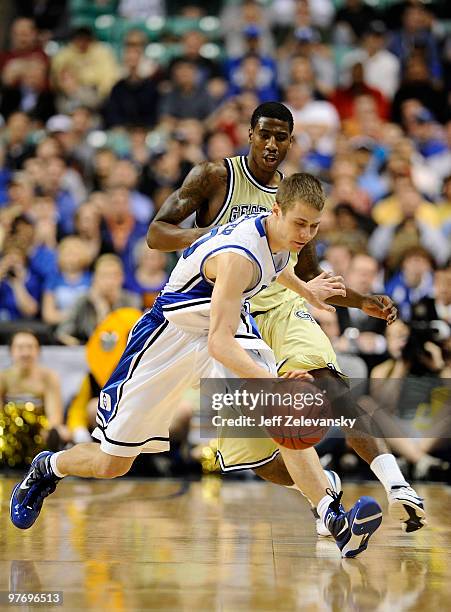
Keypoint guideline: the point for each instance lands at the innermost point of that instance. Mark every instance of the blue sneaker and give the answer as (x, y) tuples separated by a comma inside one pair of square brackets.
[(352, 529), (28, 495)]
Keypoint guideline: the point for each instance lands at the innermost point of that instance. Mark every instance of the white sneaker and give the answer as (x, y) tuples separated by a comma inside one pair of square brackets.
[(335, 484), (406, 506)]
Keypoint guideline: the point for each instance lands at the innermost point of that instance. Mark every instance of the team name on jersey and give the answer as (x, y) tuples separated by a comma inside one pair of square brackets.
[(246, 209)]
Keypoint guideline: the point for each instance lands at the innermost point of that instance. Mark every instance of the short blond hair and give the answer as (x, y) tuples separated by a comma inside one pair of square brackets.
[(300, 187), (108, 258)]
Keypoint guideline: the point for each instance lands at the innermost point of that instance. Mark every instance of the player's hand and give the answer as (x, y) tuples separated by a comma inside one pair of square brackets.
[(302, 374), (323, 287), (380, 307)]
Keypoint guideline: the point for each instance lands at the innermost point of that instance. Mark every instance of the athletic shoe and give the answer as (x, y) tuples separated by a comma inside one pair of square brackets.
[(335, 485), (28, 495), (406, 506), (352, 529)]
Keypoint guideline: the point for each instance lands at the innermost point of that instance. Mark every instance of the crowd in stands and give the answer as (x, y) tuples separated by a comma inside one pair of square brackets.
[(96, 133)]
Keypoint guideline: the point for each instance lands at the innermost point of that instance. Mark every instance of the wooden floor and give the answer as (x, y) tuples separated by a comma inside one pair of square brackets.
[(218, 545)]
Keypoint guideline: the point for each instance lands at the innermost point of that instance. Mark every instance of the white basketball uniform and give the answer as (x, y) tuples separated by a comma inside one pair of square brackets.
[(167, 349)]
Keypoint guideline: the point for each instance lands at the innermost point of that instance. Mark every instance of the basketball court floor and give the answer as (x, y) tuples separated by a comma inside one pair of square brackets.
[(217, 545)]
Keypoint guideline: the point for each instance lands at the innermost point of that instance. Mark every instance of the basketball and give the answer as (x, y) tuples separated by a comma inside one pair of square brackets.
[(300, 415)]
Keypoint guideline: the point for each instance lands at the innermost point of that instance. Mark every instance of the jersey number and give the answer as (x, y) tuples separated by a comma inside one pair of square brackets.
[(225, 230)]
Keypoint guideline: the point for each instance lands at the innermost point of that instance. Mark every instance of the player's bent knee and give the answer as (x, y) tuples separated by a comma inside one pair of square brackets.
[(275, 471), (109, 466)]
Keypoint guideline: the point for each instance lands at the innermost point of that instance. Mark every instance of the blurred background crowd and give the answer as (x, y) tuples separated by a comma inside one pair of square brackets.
[(105, 106)]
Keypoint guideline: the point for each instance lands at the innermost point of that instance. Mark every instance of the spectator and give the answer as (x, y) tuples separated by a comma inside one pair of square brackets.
[(427, 135), (20, 289), (123, 231), (51, 185), (71, 281), (307, 42), (45, 218), (87, 225), (190, 134), (165, 173), (32, 389), (302, 74), (405, 202), (368, 157), (71, 92), (415, 36), (401, 388), (235, 19), (150, 275), (106, 294), (186, 99), (361, 333), (73, 139), (134, 99), (418, 226), (413, 281), (17, 143), (192, 43), (104, 161), (20, 194), (24, 47), (93, 62), (417, 85), (58, 146), (139, 152), (316, 125), (437, 307), (381, 68), (252, 75), (219, 146), (338, 258), (344, 97), (236, 70), (351, 21), (406, 163), (41, 259), (124, 174), (30, 94)]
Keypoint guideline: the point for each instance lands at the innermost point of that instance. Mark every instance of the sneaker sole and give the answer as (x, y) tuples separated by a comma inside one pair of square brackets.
[(411, 515), (366, 521), (335, 483)]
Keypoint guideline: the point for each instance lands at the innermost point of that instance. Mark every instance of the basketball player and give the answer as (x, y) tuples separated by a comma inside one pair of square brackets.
[(200, 327), (222, 191)]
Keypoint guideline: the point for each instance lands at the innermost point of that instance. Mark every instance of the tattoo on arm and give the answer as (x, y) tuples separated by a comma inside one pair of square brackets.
[(195, 191)]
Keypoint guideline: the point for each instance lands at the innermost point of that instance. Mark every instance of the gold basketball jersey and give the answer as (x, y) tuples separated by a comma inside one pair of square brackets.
[(246, 196)]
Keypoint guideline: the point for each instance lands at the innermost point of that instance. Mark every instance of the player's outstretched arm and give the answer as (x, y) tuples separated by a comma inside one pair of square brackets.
[(201, 183), (379, 306), (317, 290), (233, 274)]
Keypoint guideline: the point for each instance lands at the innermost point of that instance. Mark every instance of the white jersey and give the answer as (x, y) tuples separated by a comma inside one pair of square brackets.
[(186, 298), (167, 350)]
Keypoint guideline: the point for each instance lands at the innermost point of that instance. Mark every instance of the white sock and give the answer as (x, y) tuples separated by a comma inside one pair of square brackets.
[(387, 471), (55, 470), (323, 505)]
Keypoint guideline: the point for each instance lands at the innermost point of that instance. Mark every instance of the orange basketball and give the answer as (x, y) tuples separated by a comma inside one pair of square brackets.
[(304, 421)]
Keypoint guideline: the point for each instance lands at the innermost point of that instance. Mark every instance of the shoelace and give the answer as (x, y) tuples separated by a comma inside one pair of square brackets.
[(335, 504)]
